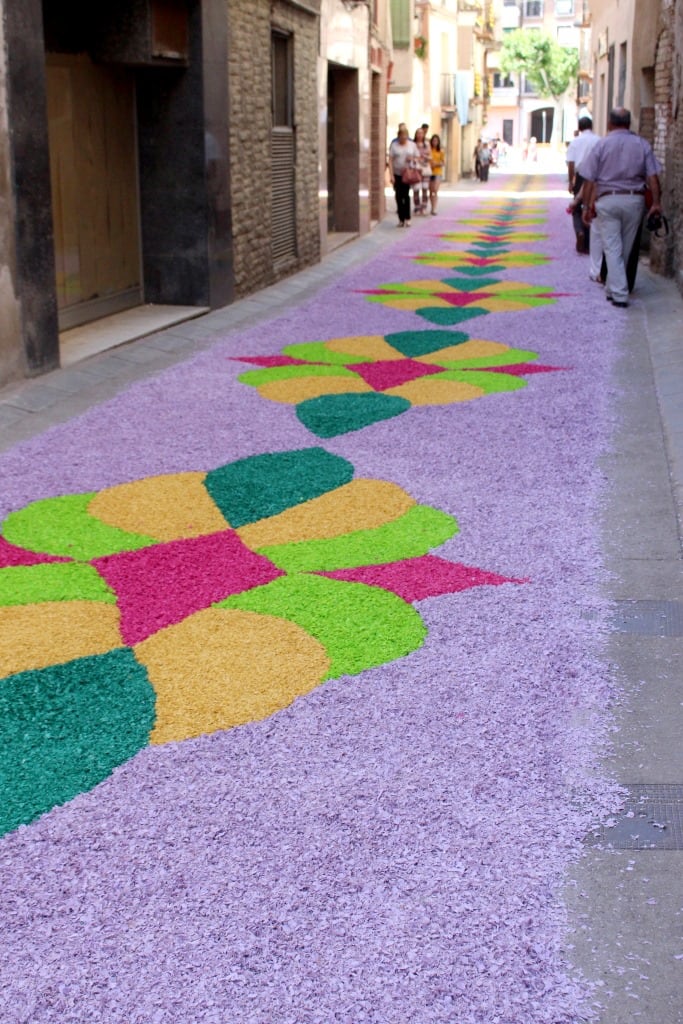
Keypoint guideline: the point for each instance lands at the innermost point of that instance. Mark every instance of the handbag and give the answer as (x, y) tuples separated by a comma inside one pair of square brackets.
[(411, 176)]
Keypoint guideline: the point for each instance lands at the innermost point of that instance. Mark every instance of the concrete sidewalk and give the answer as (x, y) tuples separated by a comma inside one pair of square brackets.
[(627, 896)]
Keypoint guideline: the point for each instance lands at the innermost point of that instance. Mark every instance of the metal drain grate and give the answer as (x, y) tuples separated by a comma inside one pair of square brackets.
[(651, 820), (649, 618)]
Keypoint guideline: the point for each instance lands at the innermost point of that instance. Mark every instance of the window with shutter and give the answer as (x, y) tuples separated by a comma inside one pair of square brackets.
[(283, 206)]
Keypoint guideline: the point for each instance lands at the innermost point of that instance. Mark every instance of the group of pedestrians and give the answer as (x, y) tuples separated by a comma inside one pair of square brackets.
[(416, 165), (613, 181)]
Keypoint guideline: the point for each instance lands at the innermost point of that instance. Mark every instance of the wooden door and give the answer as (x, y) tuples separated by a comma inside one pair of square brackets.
[(93, 166)]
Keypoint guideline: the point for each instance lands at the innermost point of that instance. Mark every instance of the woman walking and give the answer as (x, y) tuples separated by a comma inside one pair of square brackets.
[(402, 156), (437, 161), (421, 188)]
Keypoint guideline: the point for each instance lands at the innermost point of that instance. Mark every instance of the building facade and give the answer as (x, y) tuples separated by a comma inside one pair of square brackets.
[(638, 64), (352, 80), (517, 112), (442, 55), (179, 153), (116, 182), (272, 138)]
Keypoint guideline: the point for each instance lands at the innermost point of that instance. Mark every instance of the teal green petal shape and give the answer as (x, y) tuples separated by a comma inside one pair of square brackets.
[(63, 526), (264, 485), (358, 625), (422, 343), (465, 285), (453, 315), (480, 271), (55, 581), (413, 534), (65, 728), (332, 415)]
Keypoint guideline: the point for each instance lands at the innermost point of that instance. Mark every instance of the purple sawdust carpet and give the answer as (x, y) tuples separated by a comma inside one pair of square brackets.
[(302, 710)]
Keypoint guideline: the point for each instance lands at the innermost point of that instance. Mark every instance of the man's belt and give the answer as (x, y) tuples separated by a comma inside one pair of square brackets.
[(623, 192)]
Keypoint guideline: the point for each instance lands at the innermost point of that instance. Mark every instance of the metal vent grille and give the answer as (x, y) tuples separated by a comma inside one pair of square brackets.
[(651, 820), (283, 198)]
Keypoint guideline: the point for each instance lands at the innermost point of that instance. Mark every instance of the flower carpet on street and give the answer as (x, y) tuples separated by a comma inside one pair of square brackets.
[(348, 383), (471, 263), (492, 236), (455, 299), (178, 605), (303, 699)]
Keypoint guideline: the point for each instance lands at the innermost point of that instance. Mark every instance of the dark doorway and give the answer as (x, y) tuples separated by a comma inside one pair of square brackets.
[(136, 130), (542, 124), (343, 178), (94, 179)]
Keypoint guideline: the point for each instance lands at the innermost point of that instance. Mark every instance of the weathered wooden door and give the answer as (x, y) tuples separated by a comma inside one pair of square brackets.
[(93, 166)]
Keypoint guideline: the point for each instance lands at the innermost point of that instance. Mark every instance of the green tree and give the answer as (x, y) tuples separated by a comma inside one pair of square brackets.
[(549, 68)]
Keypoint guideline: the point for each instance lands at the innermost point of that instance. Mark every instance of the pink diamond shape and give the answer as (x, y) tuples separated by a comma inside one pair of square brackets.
[(414, 579), (520, 369), (10, 554), (270, 360), (391, 373), (161, 585)]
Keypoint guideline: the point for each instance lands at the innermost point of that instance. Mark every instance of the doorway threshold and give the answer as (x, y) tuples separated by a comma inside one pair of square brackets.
[(335, 239), (111, 331)]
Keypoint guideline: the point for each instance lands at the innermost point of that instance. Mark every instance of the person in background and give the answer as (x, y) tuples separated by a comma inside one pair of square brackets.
[(437, 162), (402, 154), (616, 172), (596, 271), (477, 161), (484, 161), (421, 190), (577, 149), (402, 124)]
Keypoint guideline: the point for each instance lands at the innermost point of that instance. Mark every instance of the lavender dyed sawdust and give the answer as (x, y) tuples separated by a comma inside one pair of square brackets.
[(388, 849)]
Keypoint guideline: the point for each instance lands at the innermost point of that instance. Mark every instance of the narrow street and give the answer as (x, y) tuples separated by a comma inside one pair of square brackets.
[(340, 638)]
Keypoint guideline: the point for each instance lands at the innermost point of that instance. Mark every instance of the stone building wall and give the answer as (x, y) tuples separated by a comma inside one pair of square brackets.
[(250, 23), (675, 149), (11, 362), (666, 253)]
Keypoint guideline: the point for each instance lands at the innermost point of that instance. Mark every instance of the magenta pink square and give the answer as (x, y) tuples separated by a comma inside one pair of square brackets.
[(161, 585), (465, 298), (391, 373)]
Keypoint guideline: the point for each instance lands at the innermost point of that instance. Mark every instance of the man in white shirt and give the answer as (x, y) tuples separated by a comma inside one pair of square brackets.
[(616, 174), (577, 150)]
